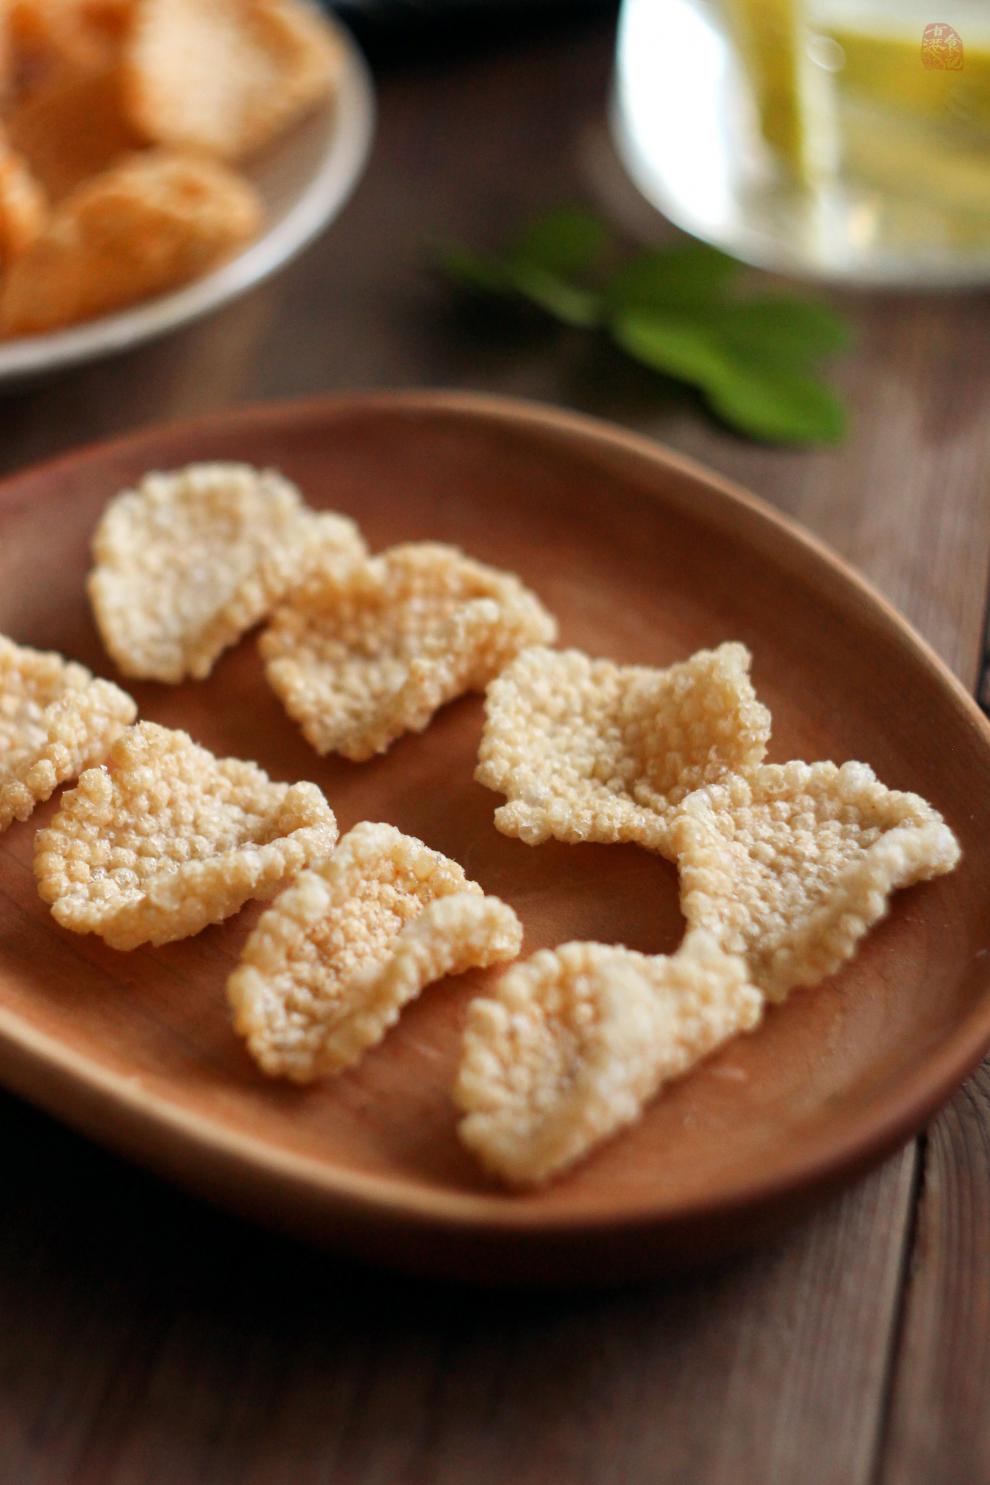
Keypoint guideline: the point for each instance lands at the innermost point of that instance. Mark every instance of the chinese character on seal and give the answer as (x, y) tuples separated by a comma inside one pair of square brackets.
[(941, 48)]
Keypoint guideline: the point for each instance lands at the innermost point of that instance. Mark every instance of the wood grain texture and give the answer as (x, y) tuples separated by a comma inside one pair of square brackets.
[(159, 1341), (939, 1426), (145, 1338)]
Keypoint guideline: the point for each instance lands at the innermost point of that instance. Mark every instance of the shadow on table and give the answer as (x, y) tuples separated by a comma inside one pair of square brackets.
[(159, 1332)]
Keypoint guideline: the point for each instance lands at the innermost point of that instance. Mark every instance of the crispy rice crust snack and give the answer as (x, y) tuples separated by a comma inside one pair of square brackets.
[(60, 30), (70, 127), (169, 838), (225, 76), (191, 559), (332, 962), (23, 208), (360, 655), (55, 720), (587, 750), (111, 19), (791, 866), (40, 38), (578, 1039), (150, 223)]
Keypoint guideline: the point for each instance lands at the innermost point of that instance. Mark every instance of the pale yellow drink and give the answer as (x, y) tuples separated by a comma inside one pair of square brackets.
[(828, 137), (856, 90)]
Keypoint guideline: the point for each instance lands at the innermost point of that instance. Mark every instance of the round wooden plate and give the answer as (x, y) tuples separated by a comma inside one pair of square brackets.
[(644, 557)]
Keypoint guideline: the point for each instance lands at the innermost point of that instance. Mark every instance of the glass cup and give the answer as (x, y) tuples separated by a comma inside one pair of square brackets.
[(842, 139)]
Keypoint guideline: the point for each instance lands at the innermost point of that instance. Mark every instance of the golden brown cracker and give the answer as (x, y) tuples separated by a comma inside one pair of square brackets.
[(226, 76), (151, 223), (71, 127), (23, 206)]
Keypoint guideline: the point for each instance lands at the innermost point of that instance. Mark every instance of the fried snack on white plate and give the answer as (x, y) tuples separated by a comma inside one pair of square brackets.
[(333, 961), (190, 559), (23, 207), (577, 1040), (150, 223), (169, 838), (70, 126), (55, 720), (588, 750), (6, 55), (47, 34), (39, 39), (226, 76), (361, 655), (791, 866), (111, 19)]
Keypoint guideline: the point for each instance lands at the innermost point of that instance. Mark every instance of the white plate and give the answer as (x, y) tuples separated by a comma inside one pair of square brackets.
[(304, 179)]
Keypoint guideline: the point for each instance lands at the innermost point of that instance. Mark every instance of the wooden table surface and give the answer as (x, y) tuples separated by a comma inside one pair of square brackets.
[(147, 1338)]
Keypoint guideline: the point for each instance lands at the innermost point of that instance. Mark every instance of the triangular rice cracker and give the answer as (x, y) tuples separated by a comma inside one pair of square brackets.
[(168, 838), (791, 866), (55, 720), (577, 1040), (333, 961), (587, 750)]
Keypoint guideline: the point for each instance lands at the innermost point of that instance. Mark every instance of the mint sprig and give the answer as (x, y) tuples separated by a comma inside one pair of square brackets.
[(678, 312), (547, 263)]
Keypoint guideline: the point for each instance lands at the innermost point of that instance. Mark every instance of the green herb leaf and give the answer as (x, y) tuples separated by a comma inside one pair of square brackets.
[(675, 278), (779, 407), (548, 261), (559, 296), (761, 399), (674, 345), (472, 269), (790, 329), (671, 310), (567, 242), (540, 266)]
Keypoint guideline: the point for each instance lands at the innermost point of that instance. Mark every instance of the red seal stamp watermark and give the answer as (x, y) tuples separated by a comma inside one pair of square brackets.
[(942, 48)]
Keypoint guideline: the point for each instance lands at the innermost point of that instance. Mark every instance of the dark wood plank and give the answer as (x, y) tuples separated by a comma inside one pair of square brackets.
[(145, 1338), (939, 1427), (905, 499)]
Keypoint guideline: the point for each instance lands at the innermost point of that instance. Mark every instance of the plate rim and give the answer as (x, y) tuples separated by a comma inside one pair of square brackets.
[(370, 1199), (32, 356)]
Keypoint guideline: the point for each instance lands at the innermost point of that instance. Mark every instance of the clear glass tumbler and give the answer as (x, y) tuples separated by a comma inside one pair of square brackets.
[(844, 139)]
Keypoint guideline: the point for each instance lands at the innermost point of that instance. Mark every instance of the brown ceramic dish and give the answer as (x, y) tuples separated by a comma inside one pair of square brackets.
[(645, 557)]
